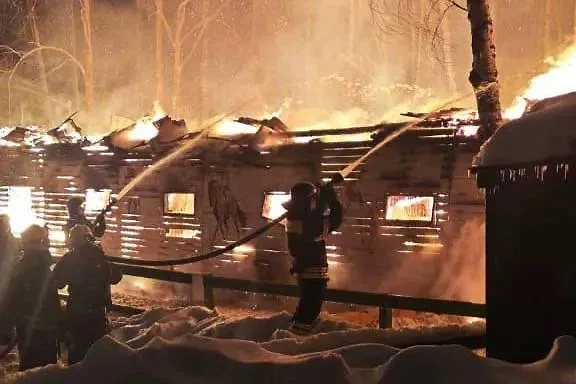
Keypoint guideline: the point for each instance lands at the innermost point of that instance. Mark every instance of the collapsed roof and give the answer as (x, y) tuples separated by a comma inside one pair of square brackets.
[(157, 134)]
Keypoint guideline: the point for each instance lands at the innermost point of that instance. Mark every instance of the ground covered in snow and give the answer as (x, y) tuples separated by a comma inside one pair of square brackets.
[(354, 314), (197, 345)]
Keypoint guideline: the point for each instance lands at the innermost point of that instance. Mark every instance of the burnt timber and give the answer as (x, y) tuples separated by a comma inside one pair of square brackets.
[(229, 188)]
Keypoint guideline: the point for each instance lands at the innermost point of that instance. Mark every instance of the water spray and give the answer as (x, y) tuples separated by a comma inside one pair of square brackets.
[(344, 173)]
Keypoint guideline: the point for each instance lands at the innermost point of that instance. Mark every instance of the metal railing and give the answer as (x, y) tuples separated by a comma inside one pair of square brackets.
[(203, 286)]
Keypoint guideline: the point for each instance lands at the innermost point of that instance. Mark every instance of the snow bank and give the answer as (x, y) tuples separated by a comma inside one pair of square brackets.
[(197, 345), (547, 133)]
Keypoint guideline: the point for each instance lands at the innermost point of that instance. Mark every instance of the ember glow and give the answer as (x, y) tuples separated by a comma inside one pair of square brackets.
[(20, 209), (179, 203), (144, 129), (559, 80), (243, 251), (272, 207), (97, 200), (233, 128)]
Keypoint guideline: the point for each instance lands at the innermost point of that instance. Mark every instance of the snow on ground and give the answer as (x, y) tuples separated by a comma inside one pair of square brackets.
[(537, 136), (354, 314), (197, 345)]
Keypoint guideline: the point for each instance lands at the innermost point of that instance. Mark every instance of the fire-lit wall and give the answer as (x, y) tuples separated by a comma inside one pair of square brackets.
[(366, 253)]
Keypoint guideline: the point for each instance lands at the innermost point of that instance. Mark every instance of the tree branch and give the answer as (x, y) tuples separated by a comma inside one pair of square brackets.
[(32, 52), (455, 4)]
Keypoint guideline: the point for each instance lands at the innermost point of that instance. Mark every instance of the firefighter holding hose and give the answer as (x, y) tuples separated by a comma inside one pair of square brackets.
[(88, 275), (75, 206), (307, 225)]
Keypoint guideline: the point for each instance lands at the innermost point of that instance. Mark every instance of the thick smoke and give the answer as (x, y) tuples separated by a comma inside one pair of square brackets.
[(463, 268), (273, 51), (378, 57)]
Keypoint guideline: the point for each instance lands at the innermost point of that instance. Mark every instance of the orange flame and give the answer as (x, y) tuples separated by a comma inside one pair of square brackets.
[(559, 80), (20, 209), (144, 129)]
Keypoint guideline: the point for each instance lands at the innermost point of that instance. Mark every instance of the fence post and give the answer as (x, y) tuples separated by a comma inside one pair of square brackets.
[(208, 291), (197, 289), (384, 317)]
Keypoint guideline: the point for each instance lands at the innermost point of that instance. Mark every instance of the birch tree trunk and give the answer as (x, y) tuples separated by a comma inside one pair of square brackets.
[(89, 54), (74, 51), (178, 63), (40, 56), (484, 74), (417, 37), (202, 73), (140, 42), (352, 21), (447, 56), (159, 4)]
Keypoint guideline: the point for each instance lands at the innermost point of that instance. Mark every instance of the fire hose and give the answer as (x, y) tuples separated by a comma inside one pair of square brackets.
[(344, 173)]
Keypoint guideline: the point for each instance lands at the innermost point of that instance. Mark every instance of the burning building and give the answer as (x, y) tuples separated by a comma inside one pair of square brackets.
[(404, 208)]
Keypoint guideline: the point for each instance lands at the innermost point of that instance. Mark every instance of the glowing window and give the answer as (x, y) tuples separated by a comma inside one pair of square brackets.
[(410, 208), (183, 233), (272, 207), (179, 203), (96, 201), (20, 209)]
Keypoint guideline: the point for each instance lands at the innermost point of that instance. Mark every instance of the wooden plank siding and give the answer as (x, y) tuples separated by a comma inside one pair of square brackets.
[(229, 193)]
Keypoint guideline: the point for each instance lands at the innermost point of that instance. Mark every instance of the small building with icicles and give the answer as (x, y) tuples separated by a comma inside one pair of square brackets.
[(413, 223), (528, 172)]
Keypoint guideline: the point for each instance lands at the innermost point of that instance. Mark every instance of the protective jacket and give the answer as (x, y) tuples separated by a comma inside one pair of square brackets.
[(306, 230), (97, 228), (32, 308), (88, 276)]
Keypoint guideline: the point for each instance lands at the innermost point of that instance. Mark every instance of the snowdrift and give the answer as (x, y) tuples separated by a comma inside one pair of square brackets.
[(547, 133), (197, 345)]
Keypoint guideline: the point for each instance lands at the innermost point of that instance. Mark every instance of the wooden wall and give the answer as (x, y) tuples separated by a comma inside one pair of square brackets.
[(365, 253)]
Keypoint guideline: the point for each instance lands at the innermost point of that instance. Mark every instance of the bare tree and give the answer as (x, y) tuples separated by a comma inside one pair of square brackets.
[(484, 74), (159, 57), (178, 39), (447, 57), (89, 52), (74, 52), (37, 42), (178, 36)]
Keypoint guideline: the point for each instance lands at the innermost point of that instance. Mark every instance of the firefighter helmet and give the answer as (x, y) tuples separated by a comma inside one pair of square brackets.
[(35, 237), (75, 202), (80, 234), (302, 190)]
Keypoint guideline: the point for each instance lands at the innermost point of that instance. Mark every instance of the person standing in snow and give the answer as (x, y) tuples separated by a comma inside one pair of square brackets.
[(32, 306), (9, 248), (88, 275), (307, 226), (75, 206)]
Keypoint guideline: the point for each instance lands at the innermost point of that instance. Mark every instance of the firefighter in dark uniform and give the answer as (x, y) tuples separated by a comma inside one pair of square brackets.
[(307, 225), (9, 250), (76, 216), (88, 275), (32, 305)]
